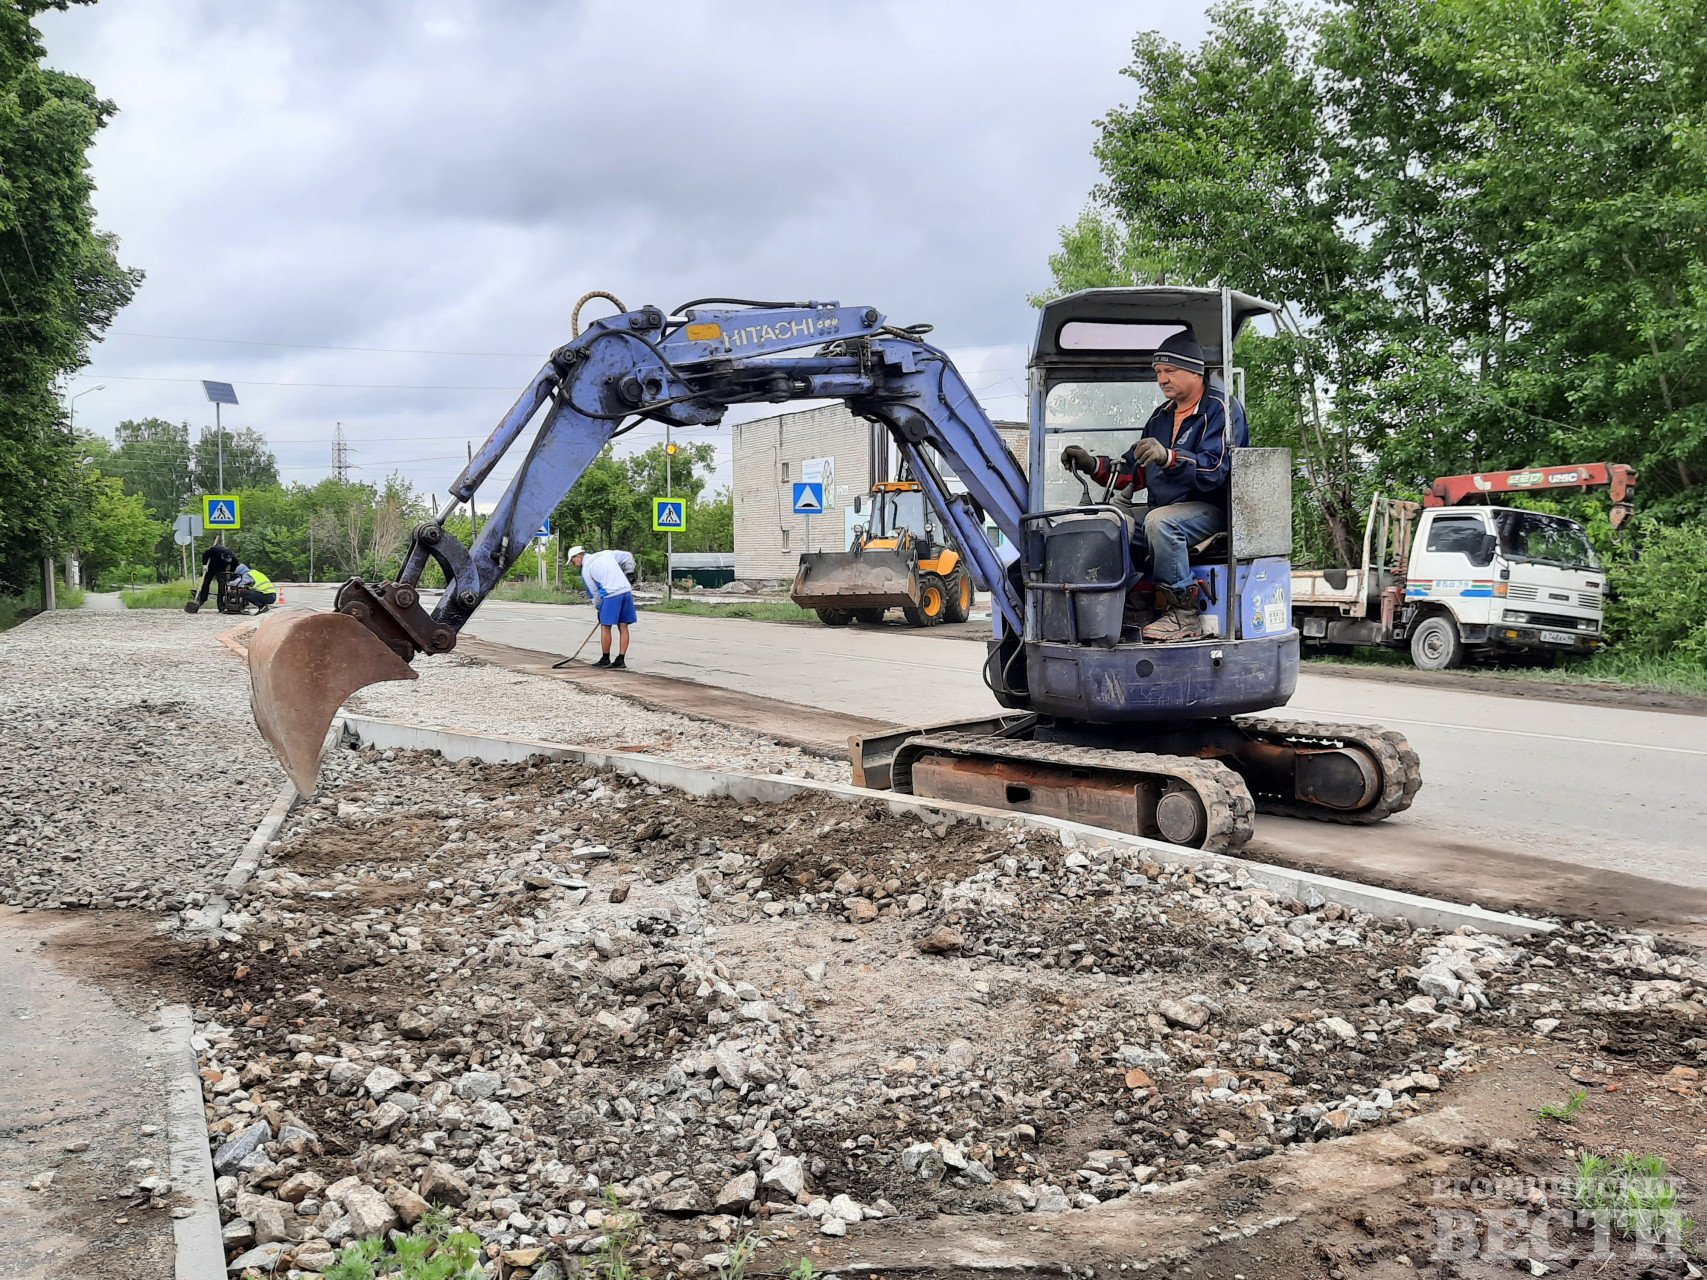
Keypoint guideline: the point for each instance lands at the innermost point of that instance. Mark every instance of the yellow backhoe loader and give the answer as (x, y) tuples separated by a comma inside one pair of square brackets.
[(902, 557)]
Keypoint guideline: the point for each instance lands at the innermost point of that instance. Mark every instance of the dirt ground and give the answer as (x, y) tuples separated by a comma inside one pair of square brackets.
[(988, 1053)]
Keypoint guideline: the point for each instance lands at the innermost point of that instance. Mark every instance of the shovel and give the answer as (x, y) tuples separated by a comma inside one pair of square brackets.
[(577, 653)]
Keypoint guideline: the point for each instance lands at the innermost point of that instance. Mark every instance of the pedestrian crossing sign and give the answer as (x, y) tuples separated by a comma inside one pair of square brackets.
[(669, 515), (221, 511)]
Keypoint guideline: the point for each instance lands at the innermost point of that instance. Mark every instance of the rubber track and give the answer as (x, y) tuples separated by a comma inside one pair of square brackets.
[(1225, 798), (1401, 771)]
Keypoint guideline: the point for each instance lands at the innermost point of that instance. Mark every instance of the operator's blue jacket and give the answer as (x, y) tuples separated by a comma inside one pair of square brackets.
[(1200, 461)]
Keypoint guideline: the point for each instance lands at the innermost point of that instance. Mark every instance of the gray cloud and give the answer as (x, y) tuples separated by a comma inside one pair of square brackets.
[(452, 176)]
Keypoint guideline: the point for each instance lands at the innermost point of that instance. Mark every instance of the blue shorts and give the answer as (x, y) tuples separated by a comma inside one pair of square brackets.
[(615, 609)]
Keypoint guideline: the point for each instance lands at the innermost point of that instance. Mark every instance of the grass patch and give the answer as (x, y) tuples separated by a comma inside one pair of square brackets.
[(763, 610), (1610, 667), (431, 1252), (165, 595), (533, 593), (13, 611), (1566, 1110), (1631, 1193)]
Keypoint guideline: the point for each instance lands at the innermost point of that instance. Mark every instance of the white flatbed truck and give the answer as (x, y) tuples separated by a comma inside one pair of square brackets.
[(1453, 582)]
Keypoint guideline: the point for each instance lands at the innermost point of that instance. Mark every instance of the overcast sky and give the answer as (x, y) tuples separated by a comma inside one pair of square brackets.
[(437, 183)]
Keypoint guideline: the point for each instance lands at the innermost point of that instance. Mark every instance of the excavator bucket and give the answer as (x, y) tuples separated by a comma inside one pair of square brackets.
[(875, 578), (302, 666)]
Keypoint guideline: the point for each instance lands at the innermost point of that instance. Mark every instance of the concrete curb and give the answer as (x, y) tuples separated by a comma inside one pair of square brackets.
[(201, 1248), (249, 861), (1305, 886), (246, 864)]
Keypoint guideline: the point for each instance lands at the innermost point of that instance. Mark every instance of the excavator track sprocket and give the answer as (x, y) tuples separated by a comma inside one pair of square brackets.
[(1182, 799), (1401, 771)]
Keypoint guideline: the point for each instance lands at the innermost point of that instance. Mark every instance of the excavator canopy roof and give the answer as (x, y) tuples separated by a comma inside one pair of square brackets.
[(1125, 326)]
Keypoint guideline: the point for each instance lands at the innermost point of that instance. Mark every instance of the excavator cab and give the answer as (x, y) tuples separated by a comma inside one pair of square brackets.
[(1087, 590)]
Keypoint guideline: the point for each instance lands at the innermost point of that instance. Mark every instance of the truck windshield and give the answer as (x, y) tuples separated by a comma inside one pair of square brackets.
[(1102, 417), (1529, 535)]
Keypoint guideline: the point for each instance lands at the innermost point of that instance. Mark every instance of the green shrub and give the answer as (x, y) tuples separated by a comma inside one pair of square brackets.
[(1659, 602)]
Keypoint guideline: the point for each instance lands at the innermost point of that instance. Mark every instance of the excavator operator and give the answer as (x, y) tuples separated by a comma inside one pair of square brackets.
[(1182, 459)]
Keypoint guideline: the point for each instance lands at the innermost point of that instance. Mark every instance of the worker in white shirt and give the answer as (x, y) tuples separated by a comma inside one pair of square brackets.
[(605, 575)]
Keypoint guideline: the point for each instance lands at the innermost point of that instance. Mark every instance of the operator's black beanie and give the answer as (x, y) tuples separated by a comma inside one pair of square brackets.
[(1182, 351)]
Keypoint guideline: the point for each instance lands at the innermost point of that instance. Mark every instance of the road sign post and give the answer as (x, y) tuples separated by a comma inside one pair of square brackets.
[(220, 393), (808, 501)]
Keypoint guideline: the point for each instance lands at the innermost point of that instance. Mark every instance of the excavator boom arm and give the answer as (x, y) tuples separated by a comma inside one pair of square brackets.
[(685, 369)]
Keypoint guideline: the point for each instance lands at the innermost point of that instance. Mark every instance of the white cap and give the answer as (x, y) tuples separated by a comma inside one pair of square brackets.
[(576, 550)]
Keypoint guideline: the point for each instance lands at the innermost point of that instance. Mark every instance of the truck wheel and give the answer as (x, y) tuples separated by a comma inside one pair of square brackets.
[(959, 604), (1435, 645), (834, 617), (933, 602), (869, 617)]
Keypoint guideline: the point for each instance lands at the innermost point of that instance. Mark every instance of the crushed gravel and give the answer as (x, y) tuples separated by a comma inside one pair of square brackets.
[(530, 992), (130, 770), (475, 697), (131, 774)]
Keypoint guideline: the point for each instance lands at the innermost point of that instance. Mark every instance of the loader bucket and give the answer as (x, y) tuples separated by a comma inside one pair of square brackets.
[(876, 578), (302, 666)]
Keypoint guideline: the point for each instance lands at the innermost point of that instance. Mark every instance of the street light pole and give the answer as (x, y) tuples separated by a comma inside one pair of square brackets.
[(72, 402)]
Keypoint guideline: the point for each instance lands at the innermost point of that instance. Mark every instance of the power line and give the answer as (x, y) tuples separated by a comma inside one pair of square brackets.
[(321, 346), (352, 386)]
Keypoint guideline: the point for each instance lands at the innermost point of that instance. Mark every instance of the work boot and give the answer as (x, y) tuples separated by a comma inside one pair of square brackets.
[(1183, 619), (620, 663), (604, 660)]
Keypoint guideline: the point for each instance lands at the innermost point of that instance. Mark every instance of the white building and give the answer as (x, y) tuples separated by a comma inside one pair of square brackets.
[(771, 454)]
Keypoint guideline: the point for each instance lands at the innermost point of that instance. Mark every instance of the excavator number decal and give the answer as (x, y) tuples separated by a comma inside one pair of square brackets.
[(704, 332)]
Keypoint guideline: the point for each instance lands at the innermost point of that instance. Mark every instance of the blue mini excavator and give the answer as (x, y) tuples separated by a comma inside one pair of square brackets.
[(1095, 723)]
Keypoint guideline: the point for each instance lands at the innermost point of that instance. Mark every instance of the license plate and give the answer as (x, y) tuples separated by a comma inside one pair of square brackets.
[(1558, 637)]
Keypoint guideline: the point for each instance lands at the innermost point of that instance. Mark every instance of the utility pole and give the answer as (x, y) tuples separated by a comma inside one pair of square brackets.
[(340, 453)]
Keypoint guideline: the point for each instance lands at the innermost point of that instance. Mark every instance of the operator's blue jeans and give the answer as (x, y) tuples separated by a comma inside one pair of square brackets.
[(1167, 534)]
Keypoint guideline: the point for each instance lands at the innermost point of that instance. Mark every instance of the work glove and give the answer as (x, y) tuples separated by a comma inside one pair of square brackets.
[(1149, 452), (1078, 458)]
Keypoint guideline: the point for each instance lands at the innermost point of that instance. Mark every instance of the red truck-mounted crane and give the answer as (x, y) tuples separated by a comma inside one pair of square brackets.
[(1452, 579), (1450, 491)]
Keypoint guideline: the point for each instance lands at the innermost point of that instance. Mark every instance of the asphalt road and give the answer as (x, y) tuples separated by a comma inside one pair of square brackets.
[(1525, 803)]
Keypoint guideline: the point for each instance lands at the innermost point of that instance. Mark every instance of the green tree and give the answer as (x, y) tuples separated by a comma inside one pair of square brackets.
[(118, 531), (611, 504), (1487, 218), (152, 457), (60, 286), (249, 464)]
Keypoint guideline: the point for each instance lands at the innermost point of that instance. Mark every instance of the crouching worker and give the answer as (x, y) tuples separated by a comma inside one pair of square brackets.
[(255, 587), (605, 575), (1183, 459)]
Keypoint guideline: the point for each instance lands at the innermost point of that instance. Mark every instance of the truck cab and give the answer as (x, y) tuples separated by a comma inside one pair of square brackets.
[(1504, 579)]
